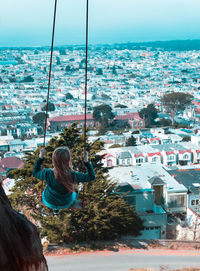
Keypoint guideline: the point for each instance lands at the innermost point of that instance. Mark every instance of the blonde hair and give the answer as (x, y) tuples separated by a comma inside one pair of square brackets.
[(62, 162)]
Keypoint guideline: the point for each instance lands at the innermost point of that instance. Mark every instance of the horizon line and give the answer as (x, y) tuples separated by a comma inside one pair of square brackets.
[(98, 44)]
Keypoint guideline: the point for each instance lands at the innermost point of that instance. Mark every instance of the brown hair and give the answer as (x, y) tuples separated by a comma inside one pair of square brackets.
[(63, 167)]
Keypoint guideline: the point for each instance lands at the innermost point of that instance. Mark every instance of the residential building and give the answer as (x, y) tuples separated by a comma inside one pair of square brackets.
[(154, 193)]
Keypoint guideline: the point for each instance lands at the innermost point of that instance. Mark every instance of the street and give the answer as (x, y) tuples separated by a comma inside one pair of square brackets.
[(124, 260)]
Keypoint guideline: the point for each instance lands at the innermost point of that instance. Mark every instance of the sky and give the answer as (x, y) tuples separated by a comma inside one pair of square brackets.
[(29, 22)]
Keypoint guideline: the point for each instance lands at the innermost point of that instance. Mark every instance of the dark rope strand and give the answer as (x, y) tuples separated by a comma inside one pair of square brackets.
[(86, 70), (50, 67)]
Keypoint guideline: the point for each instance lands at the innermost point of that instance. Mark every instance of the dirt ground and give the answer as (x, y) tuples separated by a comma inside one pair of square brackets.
[(174, 247)]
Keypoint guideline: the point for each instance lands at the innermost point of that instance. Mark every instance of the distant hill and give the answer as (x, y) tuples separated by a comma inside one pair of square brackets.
[(172, 45)]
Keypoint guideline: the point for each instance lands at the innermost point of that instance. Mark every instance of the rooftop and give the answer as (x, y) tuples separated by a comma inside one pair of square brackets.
[(190, 178), (141, 175)]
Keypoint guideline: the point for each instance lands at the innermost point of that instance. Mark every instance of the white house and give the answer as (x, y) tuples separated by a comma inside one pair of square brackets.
[(154, 157), (109, 160), (169, 158), (124, 158), (185, 157), (155, 193)]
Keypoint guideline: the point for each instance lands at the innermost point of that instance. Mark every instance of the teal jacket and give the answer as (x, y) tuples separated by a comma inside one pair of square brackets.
[(55, 193)]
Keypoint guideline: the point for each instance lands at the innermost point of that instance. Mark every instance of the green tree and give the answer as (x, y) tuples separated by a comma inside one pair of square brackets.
[(99, 71), (121, 106), (176, 101), (58, 60), (114, 70), (93, 97), (106, 214), (135, 132), (12, 79), (69, 96), (103, 113), (39, 118), (105, 96), (19, 60), (119, 125), (115, 146), (104, 126), (186, 139), (149, 114), (62, 52), (68, 68), (51, 107), (165, 122), (103, 110), (27, 79), (131, 141)]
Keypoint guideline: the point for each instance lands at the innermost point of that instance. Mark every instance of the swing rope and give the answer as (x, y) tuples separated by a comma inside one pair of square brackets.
[(49, 84), (86, 73)]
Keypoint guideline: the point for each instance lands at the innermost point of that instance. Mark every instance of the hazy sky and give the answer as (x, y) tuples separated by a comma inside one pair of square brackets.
[(29, 22)]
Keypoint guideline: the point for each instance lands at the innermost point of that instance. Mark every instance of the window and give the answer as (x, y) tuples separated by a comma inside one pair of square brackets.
[(186, 156), (128, 161), (155, 159), (123, 162), (139, 160), (171, 157), (176, 201), (194, 202)]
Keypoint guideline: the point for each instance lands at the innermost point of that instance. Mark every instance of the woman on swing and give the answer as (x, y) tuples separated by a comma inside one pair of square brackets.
[(60, 189)]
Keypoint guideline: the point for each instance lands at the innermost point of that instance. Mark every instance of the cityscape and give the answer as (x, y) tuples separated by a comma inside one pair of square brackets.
[(126, 80), (100, 135)]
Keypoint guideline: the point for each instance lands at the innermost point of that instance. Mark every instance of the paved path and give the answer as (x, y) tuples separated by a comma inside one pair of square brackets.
[(124, 260)]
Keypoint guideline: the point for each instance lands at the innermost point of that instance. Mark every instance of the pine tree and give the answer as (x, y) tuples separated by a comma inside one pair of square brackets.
[(106, 214), (131, 141)]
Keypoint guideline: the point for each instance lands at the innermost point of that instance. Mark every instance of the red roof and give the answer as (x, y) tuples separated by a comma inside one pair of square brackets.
[(155, 153), (137, 155), (11, 162), (71, 118), (108, 155), (181, 152), (129, 116), (154, 139), (197, 103), (197, 151), (170, 152)]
